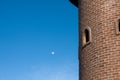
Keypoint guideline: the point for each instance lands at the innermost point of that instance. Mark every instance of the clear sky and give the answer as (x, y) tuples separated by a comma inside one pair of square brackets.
[(38, 40)]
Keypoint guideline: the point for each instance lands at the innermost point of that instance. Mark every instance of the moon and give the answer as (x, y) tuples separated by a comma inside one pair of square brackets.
[(52, 52)]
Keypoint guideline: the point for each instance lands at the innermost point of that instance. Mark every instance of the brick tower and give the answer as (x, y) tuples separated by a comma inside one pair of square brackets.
[(99, 34)]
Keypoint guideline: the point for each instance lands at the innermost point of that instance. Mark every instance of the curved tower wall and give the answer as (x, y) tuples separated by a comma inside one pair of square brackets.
[(100, 57)]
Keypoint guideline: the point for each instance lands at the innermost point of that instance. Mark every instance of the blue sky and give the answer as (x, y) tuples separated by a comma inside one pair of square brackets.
[(30, 30)]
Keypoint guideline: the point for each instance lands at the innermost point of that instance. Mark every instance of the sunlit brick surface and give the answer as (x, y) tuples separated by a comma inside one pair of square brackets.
[(100, 60)]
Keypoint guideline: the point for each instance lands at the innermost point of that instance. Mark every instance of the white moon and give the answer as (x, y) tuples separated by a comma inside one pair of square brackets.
[(52, 52)]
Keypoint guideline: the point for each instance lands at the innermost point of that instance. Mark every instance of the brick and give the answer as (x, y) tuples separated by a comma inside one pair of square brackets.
[(100, 60)]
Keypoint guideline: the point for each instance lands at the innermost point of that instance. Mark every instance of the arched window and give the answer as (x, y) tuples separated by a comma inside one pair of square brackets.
[(117, 24), (86, 36)]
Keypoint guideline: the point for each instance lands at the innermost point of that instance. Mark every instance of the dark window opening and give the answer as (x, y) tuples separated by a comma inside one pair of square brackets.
[(87, 35), (86, 38), (119, 25)]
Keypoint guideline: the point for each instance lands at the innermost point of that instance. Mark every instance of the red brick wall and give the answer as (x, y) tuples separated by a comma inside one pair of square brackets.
[(100, 60)]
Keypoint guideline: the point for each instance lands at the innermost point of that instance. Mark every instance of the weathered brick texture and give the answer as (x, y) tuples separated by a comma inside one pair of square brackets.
[(100, 60)]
